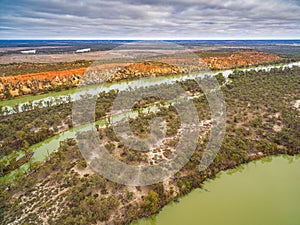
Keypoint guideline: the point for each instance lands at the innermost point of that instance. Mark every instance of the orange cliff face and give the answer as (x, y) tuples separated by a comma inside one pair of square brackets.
[(33, 83), (240, 59), (145, 69), (13, 86), (43, 76)]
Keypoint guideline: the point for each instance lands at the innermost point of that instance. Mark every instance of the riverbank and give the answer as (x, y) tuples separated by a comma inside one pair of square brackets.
[(88, 198), (53, 98), (256, 193)]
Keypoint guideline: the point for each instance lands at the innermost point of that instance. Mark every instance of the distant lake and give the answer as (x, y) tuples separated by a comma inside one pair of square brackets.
[(265, 192)]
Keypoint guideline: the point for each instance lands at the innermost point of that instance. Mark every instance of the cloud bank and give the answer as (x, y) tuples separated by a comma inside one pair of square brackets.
[(150, 19)]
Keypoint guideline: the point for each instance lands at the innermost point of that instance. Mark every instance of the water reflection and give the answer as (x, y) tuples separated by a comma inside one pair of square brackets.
[(265, 193), (70, 96)]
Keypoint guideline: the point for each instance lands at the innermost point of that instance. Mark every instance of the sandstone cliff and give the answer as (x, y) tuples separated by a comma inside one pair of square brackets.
[(36, 83), (145, 69), (240, 59)]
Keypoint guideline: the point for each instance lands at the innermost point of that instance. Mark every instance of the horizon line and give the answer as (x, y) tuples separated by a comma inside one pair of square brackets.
[(134, 39)]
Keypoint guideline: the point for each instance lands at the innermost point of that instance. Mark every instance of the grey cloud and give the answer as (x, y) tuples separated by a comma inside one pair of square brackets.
[(149, 18)]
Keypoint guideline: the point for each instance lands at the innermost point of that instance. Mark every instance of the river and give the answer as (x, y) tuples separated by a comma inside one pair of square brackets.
[(44, 148), (60, 97), (263, 192)]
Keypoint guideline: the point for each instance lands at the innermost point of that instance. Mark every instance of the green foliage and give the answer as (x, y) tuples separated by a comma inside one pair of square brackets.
[(25, 67), (151, 202), (220, 78), (256, 101)]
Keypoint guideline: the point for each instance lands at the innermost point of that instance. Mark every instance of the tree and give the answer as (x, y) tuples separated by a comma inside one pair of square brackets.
[(220, 78), (3, 164), (151, 202)]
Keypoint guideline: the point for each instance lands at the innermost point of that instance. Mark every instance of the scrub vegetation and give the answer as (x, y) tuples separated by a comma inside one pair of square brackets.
[(262, 120)]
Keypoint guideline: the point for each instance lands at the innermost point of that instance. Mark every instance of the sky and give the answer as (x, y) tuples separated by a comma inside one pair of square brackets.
[(150, 19)]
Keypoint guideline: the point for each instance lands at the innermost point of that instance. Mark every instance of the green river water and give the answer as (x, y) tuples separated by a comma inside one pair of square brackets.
[(264, 192), (39, 100)]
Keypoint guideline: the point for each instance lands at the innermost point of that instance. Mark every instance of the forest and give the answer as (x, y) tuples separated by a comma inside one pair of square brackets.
[(262, 120)]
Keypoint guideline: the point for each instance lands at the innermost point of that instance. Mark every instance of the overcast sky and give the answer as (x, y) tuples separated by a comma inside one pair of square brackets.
[(149, 19)]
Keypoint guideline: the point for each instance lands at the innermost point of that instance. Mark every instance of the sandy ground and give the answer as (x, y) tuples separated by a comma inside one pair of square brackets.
[(69, 57), (94, 55), (297, 104), (28, 48), (51, 58)]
